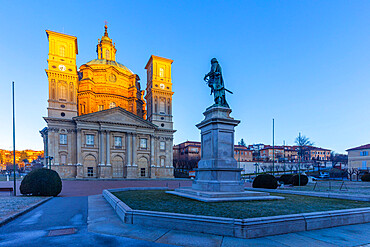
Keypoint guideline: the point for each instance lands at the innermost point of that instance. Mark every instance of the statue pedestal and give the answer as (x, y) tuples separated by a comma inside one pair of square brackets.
[(217, 170), (218, 177)]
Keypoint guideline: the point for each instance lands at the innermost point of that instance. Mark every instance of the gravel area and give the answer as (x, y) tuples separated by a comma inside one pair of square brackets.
[(10, 205)]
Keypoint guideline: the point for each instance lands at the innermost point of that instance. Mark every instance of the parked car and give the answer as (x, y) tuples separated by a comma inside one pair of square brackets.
[(324, 175)]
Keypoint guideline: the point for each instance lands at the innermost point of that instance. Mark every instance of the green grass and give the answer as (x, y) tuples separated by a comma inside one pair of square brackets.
[(157, 200), (332, 186)]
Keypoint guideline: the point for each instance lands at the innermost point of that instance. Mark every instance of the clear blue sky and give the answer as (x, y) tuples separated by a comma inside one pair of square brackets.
[(304, 63)]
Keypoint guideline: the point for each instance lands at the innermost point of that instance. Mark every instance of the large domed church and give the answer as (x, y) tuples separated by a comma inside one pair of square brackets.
[(100, 123)]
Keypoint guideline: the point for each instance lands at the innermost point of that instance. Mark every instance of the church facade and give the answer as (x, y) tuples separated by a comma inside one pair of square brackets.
[(100, 123)]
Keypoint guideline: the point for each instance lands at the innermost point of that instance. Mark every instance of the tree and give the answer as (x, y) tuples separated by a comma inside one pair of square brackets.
[(242, 143), (23, 156), (303, 143)]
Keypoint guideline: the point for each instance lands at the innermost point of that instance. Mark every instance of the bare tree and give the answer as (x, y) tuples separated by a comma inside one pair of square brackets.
[(351, 172), (357, 172)]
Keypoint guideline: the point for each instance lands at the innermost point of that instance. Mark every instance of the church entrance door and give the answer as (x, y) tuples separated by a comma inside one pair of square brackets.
[(118, 168), (143, 168), (90, 167)]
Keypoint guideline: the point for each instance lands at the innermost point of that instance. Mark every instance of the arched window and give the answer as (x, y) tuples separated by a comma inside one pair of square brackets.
[(155, 105), (53, 89), (112, 105), (71, 91), (107, 55), (63, 91), (62, 51), (168, 107), (162, 106), (161, 72)]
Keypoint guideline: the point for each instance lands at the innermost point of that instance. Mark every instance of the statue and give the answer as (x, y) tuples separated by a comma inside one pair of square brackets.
[(215, 81)]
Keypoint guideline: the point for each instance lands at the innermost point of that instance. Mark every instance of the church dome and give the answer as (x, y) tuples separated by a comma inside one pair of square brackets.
[(109, 62)]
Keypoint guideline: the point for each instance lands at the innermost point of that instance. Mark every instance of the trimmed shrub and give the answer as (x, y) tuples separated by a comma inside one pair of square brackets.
[(41, 182), (285, 179), (365, 178), (295, 180), (265, 181)]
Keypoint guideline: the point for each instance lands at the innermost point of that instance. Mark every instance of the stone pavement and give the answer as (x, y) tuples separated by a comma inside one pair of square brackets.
[(96, 187), (33, 228), (102, 219)]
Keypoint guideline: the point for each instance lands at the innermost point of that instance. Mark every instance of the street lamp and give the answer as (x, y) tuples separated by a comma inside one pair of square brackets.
[(50, 159)]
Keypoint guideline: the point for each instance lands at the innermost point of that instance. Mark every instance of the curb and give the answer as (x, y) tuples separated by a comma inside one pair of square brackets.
[(315, 194), (239, 228), (14, 216)]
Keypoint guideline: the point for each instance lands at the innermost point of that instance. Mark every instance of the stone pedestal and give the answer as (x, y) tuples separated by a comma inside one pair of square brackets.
[(217, 170), (218, 177)]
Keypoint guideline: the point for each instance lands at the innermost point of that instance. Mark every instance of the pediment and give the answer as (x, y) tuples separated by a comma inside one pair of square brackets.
[(115, 115)]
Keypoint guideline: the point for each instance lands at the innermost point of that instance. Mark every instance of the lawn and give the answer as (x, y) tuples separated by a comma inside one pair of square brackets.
[(332, 186), (158, 200)]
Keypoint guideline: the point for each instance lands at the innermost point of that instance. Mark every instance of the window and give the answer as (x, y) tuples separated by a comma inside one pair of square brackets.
[(162, 161), (62, 139), (142, 172), (112, 105), (169, 107), (161, 72), (63, 91), (162, 146), (90, 171), (162, 106), (364, 153), (363, 164), (155, 105), (118, 141), (107, 55), (63, 159), (90, 140), (100, 107), (143, 143), (62, 51)]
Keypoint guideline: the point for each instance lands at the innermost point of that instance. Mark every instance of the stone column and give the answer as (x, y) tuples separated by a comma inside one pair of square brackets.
[(128, 149), (152, 161), (152, 173), (157, 152), (79, 143), (56, 142), (108, 148), (134, 149), (101, 147), (69, 146)]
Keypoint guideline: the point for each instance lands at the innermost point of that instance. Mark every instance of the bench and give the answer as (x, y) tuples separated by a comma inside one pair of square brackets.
[(10, 189)]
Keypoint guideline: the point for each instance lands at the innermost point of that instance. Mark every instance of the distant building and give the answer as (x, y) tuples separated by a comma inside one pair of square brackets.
[(358, 157), (242, 153), (187, 154)]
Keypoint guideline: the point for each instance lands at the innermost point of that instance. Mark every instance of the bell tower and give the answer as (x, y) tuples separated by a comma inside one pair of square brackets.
[(159, 92), (106, 49), (62, 75)]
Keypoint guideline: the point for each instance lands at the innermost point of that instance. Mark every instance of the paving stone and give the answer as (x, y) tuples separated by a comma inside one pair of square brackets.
[(190, 239), (293, 239), (255, 242)]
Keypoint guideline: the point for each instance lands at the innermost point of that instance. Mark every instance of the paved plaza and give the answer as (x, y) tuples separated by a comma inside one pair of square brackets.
[(82, 208)]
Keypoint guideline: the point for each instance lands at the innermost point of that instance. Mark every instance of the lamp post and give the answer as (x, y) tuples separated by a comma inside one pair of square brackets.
[(15, 182), (50, 159), (273, 147)]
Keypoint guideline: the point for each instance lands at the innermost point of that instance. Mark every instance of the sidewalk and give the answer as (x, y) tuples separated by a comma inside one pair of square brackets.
[(102, 219)]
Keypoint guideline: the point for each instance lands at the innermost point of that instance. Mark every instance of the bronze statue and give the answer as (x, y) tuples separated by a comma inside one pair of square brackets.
[(215, 81)]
